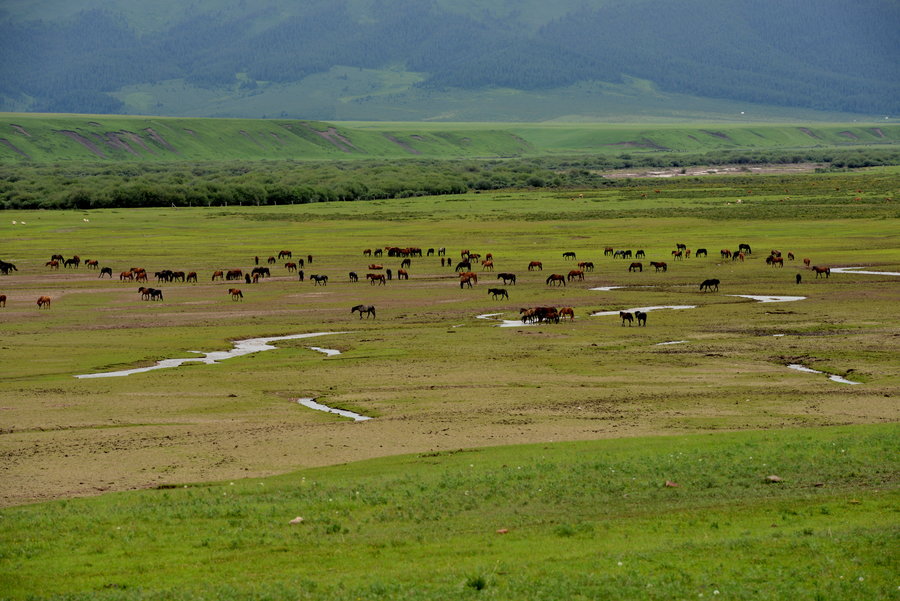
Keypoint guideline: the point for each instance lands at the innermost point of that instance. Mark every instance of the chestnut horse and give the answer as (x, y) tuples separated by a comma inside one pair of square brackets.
[(556, 279), (236, 294), (576, 274), (43, 300), (567, 311), (820, 270), (535, 265), (2, 300), (376, 277)]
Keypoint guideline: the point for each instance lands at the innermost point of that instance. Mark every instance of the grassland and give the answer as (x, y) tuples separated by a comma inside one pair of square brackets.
[(50, 138), (715, 414)]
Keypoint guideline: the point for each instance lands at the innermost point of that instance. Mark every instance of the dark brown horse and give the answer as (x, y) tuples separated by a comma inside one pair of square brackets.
[(376, 277), (659, 265), (626, 316), (637, 266), (2, 300), (535, 265), (556, 279), (641, 318)]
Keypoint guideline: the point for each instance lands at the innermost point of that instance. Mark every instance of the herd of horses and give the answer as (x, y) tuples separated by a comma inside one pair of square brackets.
[(378, 275)]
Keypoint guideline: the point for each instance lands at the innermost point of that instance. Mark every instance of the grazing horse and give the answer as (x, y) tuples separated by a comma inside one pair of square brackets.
[(820, 270), (726, 254), (586, 265), (487, 264), (2, 300), (498, 292), (367, 253), (54, 264), (637, 266), (790, 256), (470, 274), (402, 274), (73, 262), (607, 251), (191, 277), (92, 264), (626, 316), (575, 274), (568, 255), (737, 256), (700, 251), (5, 267), (107, 271), (680, 246), (429, 252), (745, 247), (235, 274), (57, 258), (290, 266), (641, 318), (405, 263), (535, 265), (369, 310), (556, 279), (271, 260), (236, 294), (567, 311), (463, 266), (659, 265), (442, 251), (377, 252), (465, 280), (283, 254), (710, 284), (773, 261), (43, 300), (507, 278), (319, 279), (807, 262), (354, 277), (218, 275), (376, 277), (262, 272), (678, 254)]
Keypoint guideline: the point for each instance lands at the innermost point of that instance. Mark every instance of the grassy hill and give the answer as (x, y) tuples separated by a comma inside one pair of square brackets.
[(48, 138)]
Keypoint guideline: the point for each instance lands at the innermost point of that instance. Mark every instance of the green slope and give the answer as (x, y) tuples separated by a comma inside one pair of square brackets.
[(48, 138)]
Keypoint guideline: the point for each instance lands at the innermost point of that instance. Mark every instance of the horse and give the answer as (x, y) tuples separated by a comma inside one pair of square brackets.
[(463, 266), (737, 256), (261, 271), (607, 251), (178, 276), (145, 293), (367, 253), (790, 256), (191, 277), (290, 266), (429, 252), (2, 300), (249, 280), (369, 310), (442, 251), (487, 264), (319, 279), (354, 277), (820, 270), (640, 254), (107, 271), (726, 254), (710, 284), (57, 258), (700, 251), (567, 311), (389, 273), (568, 255), (678, 254), (54, 264), (641, 318), (126, 275), (659, 265), (806, 262), (300, 276), (5, 267), (507, 278), (73, 262), (283, 254), (236, 294), (535, 265), (236, 274), (465, 280), (775, 261), (43, 300), (218, 274), (626, 254), (745, 247), (636, 267), (556, 279), (687, 254), (575, 274), (271, 260), (405, 263), (498, 292), (402, 274), (799, 278), (376, 277), (680, 246), (156, 294), (586, 265), (377, 252), (626, 316), (309, 259), (375, 266), (92, 264)]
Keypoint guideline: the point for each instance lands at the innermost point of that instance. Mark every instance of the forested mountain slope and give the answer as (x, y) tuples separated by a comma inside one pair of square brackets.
[(280, 58)]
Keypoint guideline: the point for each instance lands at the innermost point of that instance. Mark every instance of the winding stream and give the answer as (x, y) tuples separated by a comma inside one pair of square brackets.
[(809, 370), (241, 348)]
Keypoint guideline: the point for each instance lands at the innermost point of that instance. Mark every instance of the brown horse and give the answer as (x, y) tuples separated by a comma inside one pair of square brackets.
[(567, 311), (626, 316), (2, 300), (820, 270), (576, 274), (535, 265), (465, 280), (283, 254), (487, 264), (236, 294), (556, 279), (126, 275), (586, 265), (234, 274), (637, 266), (192, 277), (678, 254), (367, 253), (92, 264), (470, 274), (291, 266), (659, 265), (402, 274), (43, 300), (375, 266), (779, 261), (807, 262), (377, 277), (726, 254), (218, 275), (54, 264)]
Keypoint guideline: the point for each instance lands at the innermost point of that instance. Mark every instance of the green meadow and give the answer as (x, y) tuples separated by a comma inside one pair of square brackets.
[(524, 462)]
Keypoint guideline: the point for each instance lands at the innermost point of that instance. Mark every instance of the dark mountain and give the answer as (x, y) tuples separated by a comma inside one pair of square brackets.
[(808, 54)]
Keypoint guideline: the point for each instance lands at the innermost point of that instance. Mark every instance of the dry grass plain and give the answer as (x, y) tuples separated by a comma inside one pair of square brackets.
[(431, 373)]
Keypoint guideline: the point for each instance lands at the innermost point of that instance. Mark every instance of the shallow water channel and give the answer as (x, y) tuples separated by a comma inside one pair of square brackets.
[(831, 377)]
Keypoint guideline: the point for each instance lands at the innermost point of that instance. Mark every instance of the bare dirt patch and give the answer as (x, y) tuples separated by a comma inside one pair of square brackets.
[(402, 144), (20, 129), (14, 148), (154, 135), (701, 170), (84, 142)]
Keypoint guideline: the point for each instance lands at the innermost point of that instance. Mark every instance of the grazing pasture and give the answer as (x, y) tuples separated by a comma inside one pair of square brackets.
[(435, 379)]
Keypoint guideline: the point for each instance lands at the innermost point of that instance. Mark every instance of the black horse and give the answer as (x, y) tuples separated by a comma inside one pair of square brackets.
[(319, 279), (507, 278), (626, 316), (710, 284), (498, 292), (5, 267), (745, 247), (641, 318), (354, 278), (369, 310)]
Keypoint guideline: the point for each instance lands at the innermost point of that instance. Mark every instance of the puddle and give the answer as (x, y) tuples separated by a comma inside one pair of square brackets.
[(644, 309), (241, 348), (312, 404), (862, 271), (769, 298), (328, 351), (809, 370), (671, 342)]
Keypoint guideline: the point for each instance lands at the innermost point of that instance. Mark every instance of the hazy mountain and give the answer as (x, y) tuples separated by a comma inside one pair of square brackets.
[(434, 59)]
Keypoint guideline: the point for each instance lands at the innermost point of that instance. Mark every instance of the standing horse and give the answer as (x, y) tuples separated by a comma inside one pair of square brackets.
[(236, 294), (556, 279), (376, 277), (710, 284), (284, 254), (106, 271), (700, 251), (586, 265), (569, 255), (745, 247), (636, 267), (369, 310), (191, 277), (659, 265), (567, 311), (487, 264), (498, 292), (626, 316), (641, 318), (2, 300), (319, 279), (290, 266), (822, 270), (535, 265), (465, 280), (575, 274), (354, 277), (507, 278)]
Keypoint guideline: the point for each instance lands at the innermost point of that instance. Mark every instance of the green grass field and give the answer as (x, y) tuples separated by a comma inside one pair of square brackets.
[(563, 434)]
